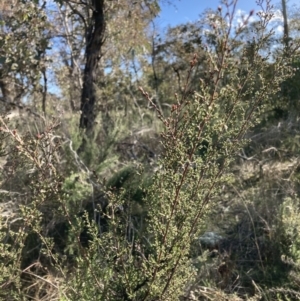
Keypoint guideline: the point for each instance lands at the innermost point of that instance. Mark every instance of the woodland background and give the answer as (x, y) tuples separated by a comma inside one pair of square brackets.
[(137, 164)]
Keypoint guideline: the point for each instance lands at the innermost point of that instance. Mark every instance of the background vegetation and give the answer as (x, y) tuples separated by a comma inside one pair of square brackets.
[(143, 165)]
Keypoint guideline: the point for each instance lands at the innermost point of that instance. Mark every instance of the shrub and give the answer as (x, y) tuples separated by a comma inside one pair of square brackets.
[(149, 260)]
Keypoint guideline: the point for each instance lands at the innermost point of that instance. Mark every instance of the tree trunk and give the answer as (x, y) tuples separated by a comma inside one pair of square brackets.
[(285, 25), (94, 42)]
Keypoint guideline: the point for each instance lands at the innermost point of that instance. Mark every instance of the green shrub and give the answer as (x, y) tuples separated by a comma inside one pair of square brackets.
[(148, 258)]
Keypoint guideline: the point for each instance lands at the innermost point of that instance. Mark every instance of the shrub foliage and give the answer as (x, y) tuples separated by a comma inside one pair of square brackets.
[(120, 219)]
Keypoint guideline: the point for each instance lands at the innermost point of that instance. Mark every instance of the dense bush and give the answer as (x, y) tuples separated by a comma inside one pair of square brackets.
[(123, 212)]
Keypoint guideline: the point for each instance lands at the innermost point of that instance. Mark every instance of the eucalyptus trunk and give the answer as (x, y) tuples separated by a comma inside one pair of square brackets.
[(285, 24), (94, 41)]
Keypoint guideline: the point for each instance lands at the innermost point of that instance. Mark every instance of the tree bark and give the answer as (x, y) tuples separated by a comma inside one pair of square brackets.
[(285, 25), (94, 41)]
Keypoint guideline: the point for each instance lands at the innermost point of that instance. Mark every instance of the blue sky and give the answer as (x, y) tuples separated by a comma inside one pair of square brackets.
[(182, 11)]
